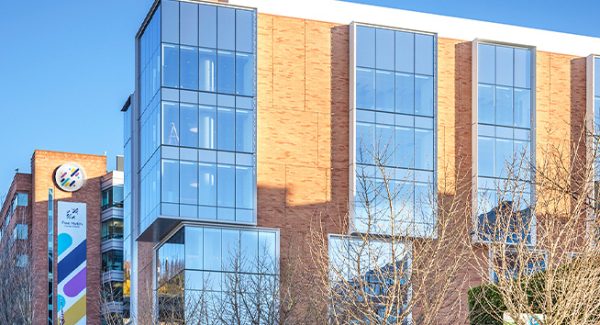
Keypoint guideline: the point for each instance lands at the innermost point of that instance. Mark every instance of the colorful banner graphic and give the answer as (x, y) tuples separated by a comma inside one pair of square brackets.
[(71, 263)]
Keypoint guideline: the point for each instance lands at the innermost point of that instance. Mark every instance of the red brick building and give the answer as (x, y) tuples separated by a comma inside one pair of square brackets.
[(31, 205)]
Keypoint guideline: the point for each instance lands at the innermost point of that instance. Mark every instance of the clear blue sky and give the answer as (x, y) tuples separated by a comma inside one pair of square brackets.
[(67, 66)]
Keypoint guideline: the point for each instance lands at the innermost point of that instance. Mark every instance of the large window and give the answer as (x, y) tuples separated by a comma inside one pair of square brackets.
[(364, 271), (207, 114), (213, 264), (504, 142), (112, 229), (112, 260), (112, 197), (394, 119)]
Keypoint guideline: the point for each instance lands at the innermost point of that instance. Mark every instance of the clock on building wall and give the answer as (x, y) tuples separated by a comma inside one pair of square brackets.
[(69, 177)]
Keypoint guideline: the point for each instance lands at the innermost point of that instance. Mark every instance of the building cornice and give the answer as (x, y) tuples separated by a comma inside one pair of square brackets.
[(445, 26)]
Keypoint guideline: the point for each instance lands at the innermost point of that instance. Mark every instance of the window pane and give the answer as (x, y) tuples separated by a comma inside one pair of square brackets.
[(189, 23), (170, 181), (244, 131), (212, 249), (423, 204), (244, 189), (226, 186), (207, 27), (189, 125), (207, 69), (384, 87), (384, 138), (405, 147), (424, 95), (267, 250), (522, 68), (226, 129), (522, 108), (405, 93), (485, 105), (207, 127), (244, 75), (249, 251), (244, 31), (424, 54), (170, 66), (170, 21), (365, 135), (226, 72), (404, 201), (230, 249), (504, 65), (405, 57), (504, 106), (365, 46), (365, 88), (170, 129), (522, 157), (424, 149), (504, 156), (226, 28), (207, 186), (189, 67), (485, 156), (384, 55), (487, 63), (188, 183)]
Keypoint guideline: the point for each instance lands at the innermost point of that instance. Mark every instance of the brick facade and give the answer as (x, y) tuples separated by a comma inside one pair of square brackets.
[(303, 125), (303, 134), (43, 165)]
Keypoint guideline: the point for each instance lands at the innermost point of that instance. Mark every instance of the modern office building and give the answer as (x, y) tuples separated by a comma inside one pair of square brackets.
[(252, 117), (65, 221)]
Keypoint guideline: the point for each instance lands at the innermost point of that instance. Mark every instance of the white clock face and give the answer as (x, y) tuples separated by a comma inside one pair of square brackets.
[(70, 177)]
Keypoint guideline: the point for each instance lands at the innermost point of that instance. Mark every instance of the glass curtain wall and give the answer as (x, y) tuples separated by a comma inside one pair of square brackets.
[(395, 73), (199, 114), (147, 120), (215, 266), (127, 213), (504, 142)]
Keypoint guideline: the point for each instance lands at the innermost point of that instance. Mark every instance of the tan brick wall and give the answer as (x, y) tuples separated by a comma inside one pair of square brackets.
[(43, 164), (303, 125)]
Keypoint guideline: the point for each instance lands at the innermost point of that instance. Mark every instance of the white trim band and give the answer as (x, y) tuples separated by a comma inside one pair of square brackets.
[(446, 27)]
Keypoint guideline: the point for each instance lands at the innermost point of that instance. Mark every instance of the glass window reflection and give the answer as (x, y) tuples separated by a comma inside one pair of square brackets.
[(226, 72), (203, 115), (504, 141), (189, 125), (207, 26), (170, 66), (207, 70), (189, 67), (395, 102)]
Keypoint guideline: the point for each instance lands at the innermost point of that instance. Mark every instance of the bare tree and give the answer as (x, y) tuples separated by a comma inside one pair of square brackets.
[(403, 262), (16, 276), (543, 255)]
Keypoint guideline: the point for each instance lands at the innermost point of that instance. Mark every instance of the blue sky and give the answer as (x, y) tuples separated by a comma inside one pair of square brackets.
[(66, 67)]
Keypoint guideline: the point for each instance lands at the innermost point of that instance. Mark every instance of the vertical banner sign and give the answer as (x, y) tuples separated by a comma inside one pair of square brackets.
[(71, 263)]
